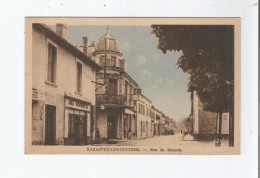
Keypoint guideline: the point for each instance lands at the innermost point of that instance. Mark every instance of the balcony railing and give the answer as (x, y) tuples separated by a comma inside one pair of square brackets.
[(110, 99)]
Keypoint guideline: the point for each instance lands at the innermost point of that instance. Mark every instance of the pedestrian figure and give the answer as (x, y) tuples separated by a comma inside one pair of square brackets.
[(181, 131)]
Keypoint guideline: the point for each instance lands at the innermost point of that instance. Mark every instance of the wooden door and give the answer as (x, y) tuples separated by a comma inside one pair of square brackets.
[(77, 130), (50, 125), (77, 127)]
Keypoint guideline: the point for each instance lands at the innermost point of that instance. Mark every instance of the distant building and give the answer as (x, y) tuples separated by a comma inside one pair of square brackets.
[(170, 126), (204, 123), (153, 119), (144, 121), (63, 92), (162, 128), (157, 120)]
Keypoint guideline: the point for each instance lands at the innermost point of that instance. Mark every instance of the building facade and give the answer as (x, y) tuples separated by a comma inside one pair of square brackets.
[(63, 92), (162, 124), (170, 126), (156, 115), (115, 92), (144, 120), (205, 124)]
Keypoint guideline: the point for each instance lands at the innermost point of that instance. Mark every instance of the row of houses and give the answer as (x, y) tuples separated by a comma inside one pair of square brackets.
[(83, 95)]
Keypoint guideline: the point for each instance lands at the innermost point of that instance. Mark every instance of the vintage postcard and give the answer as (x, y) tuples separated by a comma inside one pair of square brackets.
[(153, 86)]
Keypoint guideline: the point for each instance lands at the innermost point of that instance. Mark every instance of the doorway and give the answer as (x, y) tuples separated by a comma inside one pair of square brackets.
[(126, 126), (146, 129), (77, 129), (50, 125), (112, 127)]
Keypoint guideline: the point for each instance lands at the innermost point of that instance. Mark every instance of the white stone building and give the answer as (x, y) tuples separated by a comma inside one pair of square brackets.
[(205, 124), (63, 91), (144, 120)]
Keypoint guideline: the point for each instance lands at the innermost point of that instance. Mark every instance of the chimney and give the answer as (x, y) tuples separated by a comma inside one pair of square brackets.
[(61, 30), (85, 45)]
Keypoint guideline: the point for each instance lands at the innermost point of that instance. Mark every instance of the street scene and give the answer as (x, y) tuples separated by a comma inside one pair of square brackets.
[(112, 85), (175, 141)]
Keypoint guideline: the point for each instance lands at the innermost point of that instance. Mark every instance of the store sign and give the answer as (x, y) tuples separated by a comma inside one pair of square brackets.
[(38, 95), (128, 111), (102, 107), (76, 104)]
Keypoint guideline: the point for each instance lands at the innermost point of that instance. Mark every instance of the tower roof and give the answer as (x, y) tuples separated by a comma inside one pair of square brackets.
[(107, 42)]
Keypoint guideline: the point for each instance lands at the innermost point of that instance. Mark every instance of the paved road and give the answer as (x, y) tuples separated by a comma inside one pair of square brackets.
[(168, 140)]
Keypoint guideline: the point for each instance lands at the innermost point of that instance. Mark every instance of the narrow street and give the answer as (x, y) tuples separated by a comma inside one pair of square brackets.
[(168, 140)]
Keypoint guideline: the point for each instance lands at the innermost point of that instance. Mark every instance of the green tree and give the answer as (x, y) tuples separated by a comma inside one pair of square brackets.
[(208, 56)]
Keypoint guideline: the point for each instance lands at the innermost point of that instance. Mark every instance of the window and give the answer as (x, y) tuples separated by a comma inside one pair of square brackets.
[(113, 61), (126, 88), (112, 87), (102, 61), (141, 127), (141, 109), (134, 90), (79, 77), (131, 93), (52, 60), (108, 62)]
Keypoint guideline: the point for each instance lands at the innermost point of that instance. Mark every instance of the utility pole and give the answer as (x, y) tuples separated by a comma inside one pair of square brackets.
[(105, 67)]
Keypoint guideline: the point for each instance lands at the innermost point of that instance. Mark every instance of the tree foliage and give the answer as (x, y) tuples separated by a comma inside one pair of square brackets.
[(208, 56)]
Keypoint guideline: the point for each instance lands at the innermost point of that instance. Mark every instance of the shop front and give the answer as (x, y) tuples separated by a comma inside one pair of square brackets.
[(115, 123), (129, 125), (78, 122)]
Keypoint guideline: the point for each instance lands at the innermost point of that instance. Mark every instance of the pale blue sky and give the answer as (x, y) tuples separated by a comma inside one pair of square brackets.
[(155, 72)]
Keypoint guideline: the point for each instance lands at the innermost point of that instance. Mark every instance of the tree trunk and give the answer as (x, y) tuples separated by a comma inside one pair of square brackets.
[(231, 130), (220, 125), (233, 126), (216, 127)]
